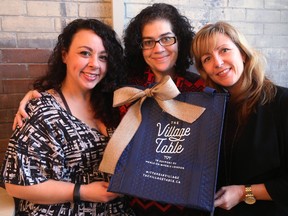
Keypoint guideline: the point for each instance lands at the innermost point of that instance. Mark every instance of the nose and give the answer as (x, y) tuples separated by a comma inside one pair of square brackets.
[(218, 61), (93, 61), (158, 47)]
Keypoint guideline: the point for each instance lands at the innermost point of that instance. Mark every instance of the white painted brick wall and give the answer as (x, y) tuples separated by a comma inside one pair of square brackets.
[(27, 24), (12, 7), (36, 24), (100, 10), (44, 9)]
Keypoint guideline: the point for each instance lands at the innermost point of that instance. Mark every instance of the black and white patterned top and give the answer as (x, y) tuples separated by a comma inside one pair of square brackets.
[(53, 144)]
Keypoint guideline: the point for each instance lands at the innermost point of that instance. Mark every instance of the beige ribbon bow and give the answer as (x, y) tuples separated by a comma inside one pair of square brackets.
[(163, 92)]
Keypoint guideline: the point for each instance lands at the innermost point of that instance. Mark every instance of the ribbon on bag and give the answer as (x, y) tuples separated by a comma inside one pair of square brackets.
[(163, 92)]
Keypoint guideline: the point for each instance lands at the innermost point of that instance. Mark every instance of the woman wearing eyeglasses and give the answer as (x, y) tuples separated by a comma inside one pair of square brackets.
[(157, 43)]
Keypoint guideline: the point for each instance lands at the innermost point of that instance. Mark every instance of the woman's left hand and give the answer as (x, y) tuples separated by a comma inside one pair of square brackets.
[(229, 196)]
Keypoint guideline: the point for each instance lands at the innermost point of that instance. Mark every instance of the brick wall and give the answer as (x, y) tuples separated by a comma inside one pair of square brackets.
[(18, 68), (28, 31)]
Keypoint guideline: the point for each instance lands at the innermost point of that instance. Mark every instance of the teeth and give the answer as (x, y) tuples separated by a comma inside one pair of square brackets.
[(224, 71), (90, 75)]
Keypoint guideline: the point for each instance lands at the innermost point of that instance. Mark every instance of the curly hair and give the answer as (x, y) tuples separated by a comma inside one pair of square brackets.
[(255, 87), (102, 94), (181, 27)]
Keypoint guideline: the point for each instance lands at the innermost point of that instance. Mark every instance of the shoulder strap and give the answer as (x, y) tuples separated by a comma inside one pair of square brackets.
[(110, 131), (64, 100)]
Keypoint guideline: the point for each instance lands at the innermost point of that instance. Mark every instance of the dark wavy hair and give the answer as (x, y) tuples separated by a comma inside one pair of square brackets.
[(102, 94), (181, 27)]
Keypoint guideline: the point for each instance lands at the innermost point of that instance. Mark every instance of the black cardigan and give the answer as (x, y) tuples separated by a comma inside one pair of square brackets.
[(260, 155)]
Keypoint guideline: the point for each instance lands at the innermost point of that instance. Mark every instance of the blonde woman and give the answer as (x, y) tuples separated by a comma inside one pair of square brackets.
[(253, 172)]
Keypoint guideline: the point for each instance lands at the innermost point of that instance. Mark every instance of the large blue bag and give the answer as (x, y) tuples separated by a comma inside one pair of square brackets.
[(172, 161)]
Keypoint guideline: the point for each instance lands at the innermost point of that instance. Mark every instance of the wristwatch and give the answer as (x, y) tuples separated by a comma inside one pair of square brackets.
[(249, 196)]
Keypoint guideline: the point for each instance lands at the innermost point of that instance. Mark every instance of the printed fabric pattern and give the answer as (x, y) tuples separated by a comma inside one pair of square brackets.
[(53, 144)]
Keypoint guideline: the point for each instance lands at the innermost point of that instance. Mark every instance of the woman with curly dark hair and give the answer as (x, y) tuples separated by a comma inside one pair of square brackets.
[(51, 163), (157, 43), (180, 28)]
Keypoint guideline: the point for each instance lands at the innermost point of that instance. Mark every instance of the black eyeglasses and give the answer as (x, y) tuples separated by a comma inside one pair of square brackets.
[(164, 41)]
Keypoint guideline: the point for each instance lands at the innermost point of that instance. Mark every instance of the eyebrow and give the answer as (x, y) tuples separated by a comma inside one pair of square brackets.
[(162, 35), (224, 45), (90, 49), (216, 48)]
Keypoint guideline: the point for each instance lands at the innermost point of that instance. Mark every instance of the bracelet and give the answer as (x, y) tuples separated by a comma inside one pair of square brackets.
[(76, 193)]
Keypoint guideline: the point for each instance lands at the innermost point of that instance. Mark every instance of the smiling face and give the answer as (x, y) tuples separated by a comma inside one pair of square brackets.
[(86, 60), (224, 63), (161, 59)]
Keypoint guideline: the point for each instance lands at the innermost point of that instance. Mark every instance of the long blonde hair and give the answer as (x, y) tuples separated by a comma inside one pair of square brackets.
[(255, 88)]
